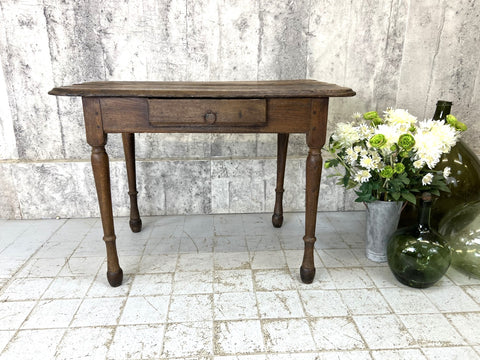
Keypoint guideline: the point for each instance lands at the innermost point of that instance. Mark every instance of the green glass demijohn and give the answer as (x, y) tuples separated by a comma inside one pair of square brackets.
[(463, 182), (417, 255), (461, 228)]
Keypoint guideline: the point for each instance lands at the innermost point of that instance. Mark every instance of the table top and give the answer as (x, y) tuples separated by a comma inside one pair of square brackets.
[(224, 89)]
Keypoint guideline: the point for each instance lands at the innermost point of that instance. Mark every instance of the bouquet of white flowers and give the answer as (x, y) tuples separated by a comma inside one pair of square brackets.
[(392, 158)]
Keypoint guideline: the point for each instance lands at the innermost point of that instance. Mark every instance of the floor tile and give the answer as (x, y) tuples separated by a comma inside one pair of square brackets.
[(193, 282), (338, 258), (145, 310), (451, 299), (401, 354), (460, 278), (364, 301), (228, 225), (152, 284), (5, 336), (85, 343), (451, 353), (238, 337), (13, 313), (382, 276), (408, 301), (235, 306), (323, 303), (33, 344), (465, 323), (183, 340), (288, 335), (192, 307), (43, 267), (344, 355), (68, 287), (240, 357), (268, 260), (82, 266), (279, 304), (266, 242), (219, 299), (233, 281), (274, 280), (98, 312), (52, 314), (336, 333), (25, 289), (473, 292), (137, 342), (10, 265), (383, 332), (152, 264), (195, 262), (229, 243), (231, 260), (101, 288), (350, 278), (432, 330)]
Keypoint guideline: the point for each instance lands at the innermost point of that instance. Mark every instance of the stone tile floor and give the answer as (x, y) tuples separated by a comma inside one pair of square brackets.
[(221, 287)]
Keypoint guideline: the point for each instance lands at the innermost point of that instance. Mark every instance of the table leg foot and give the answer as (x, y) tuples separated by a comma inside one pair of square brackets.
[(277, 220), (307, 275), (136, 225), (115, 278)]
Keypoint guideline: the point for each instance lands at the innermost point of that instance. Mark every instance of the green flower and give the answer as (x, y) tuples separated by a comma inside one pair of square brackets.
[(451, 120), (387, 172), (378, 141), (460, 126), (406, 141), (403, 153), (370, 115), (399, 168), (393, 148), (377, 121)]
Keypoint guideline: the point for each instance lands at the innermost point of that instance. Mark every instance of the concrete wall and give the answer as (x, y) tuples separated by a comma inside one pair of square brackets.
[(404, 54)]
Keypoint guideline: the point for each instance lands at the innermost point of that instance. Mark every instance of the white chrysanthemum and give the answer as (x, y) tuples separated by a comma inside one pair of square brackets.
[(352, 156), (362, 176), (432, 139), (400, 117), (366, 131), (391, 133), (446, 172), (418, 164), (357, 116), (367, 162), (357, 149), (346, 134), (446, 135), (427, 179)]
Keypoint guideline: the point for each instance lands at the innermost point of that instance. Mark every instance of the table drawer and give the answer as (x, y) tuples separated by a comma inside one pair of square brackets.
[(207, 112)]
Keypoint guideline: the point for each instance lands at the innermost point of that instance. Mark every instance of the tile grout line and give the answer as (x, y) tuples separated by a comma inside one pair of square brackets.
[(37, 301)]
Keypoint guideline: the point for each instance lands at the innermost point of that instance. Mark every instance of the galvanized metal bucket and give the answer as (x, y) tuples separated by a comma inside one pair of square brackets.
[(382, 221)]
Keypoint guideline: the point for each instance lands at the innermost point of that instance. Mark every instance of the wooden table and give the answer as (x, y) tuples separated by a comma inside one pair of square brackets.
[(281, 107)]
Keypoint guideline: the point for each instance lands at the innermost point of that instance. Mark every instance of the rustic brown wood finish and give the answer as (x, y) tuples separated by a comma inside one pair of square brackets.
[(282, 107)]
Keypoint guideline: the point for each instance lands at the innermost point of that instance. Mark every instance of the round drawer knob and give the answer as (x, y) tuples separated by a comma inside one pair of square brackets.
[(210, 117)]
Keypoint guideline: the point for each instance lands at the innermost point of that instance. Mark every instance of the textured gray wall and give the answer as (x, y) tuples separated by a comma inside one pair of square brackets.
[(393, 53)]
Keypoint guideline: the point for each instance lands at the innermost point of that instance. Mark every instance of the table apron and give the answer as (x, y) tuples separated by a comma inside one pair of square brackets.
[(154, 115)]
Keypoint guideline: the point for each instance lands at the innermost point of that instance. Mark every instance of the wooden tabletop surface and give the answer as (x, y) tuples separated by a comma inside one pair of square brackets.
[(226, 89)]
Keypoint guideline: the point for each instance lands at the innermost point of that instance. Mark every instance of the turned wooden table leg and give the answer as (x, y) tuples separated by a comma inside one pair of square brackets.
[(282, 145), (101, 172), (315, 141), (129, 149)]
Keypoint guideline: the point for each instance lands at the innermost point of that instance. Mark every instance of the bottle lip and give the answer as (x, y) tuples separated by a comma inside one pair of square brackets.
[(444, 102)]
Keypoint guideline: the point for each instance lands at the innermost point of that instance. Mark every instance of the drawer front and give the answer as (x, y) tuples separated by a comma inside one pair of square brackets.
[(207, 112)]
